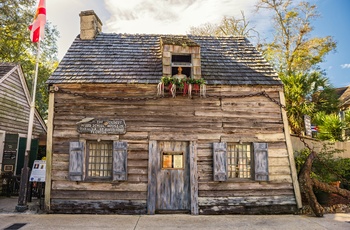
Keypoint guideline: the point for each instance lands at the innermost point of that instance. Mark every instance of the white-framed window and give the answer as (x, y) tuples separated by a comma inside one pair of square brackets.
[(99, 159), (239, 160)]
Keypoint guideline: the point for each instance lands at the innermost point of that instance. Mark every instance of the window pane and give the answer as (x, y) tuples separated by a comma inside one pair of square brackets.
[(100, 159), (239, 160)]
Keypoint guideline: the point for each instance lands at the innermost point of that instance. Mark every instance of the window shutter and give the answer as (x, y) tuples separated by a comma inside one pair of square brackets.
[(220, 161), (261, 166), (76, 160), (120, 158)]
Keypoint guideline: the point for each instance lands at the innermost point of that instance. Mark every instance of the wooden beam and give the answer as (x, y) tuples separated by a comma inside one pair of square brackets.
[(193, 178), (49, 149), (290, 153), (152, 178)]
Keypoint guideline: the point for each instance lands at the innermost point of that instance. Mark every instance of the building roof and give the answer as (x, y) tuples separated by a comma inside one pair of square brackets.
[(136, 58), (13, 89), (344, 96), (5, 68)]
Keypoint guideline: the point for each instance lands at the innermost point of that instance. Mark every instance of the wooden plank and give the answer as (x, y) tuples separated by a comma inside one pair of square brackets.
[(278, 161), (281, 178), (290, 153), (193, 178), (247, 201), (48, 178), (102, 186), (152, 178), (62, 206), (243, 193), (220, 161), (76, 160), (234, 185), (261, 162), (99, 195), (251, 210), (120, 161)]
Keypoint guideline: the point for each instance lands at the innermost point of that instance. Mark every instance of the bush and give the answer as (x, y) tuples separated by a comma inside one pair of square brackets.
[(325, 167)]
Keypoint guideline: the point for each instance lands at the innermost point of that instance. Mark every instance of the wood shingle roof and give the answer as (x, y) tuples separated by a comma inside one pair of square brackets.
[(136, 58)]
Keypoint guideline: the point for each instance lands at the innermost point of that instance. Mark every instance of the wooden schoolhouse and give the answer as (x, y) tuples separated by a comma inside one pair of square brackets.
[(127, 136)]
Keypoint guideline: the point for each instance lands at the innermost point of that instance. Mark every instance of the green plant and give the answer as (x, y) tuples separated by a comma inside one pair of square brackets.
[(330, 126), (166, 80), (326, 167)]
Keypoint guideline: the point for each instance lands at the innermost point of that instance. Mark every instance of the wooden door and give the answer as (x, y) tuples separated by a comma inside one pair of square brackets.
[(173, 177)]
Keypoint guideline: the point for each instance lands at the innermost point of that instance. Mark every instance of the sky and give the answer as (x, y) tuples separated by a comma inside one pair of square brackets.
[(178, 16)]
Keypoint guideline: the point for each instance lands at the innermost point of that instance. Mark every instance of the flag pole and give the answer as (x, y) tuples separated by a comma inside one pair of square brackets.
[(23, 189)]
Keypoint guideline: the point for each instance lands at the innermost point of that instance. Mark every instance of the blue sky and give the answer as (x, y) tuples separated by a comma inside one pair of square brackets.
[(335, 21), (177, 16)]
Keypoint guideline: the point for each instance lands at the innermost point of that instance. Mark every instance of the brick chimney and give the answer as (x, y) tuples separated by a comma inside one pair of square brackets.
[(90, 25)]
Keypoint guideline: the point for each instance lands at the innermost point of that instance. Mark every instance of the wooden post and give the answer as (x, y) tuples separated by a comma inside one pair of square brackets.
[(194, 178), (290, 153), (49, 148), (152, 177)]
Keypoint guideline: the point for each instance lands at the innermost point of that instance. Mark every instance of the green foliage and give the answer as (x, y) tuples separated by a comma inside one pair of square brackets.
[(326, 100), (311, 94), (325, 167), (297, 89), (166, 80), (16, 47), (347, 118), (330, 126)]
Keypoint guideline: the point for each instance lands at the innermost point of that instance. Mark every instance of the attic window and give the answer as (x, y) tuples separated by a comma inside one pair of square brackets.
[(181, 60)]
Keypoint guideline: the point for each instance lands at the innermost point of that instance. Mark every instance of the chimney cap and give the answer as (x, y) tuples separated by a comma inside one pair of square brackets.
[(90, 12)]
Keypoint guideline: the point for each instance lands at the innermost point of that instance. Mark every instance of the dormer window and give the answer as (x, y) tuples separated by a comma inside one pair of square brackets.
[(181, 67), (180, 51), (181, 60)]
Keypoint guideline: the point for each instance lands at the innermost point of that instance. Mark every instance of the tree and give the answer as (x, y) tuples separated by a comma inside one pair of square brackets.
[(292, 49), (296, 56), (300, 90), (229, 26), (15, 45)]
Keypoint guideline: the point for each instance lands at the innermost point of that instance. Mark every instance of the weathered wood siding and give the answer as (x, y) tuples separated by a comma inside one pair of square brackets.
[(14, 106), (202, 121)]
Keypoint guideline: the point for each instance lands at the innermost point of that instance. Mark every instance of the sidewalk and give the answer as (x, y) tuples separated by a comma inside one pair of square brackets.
[(31, 220)]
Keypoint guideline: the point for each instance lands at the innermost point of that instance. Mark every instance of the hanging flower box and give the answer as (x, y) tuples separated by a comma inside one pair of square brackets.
[(184, 86)]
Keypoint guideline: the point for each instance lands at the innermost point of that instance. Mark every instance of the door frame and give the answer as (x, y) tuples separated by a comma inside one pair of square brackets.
[(153, 164), (2, 144)]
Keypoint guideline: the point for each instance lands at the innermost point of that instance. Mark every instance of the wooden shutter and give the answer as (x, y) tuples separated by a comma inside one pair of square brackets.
[(76, 161), (120, 158), (220, 161), (261, 166)]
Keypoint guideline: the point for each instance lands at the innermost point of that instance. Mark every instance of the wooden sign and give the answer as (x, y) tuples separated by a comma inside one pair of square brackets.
[(101, 126)]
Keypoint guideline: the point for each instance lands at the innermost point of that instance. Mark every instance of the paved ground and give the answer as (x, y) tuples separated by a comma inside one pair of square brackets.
[(32, 220)]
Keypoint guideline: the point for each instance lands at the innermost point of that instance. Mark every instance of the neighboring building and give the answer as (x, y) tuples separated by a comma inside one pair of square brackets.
[(15, 102), (117, 144), (344, 98)]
